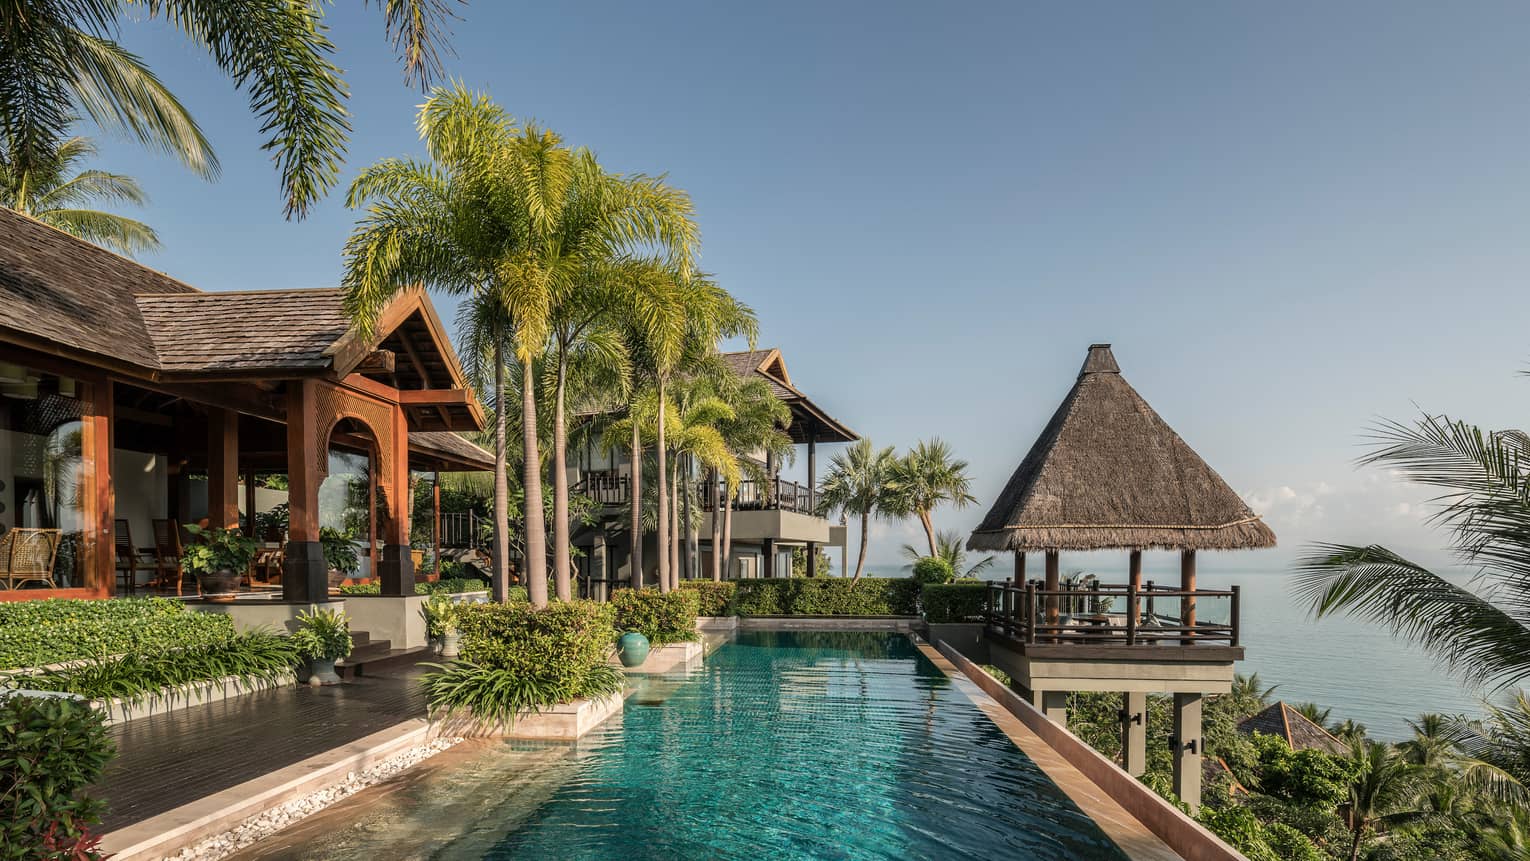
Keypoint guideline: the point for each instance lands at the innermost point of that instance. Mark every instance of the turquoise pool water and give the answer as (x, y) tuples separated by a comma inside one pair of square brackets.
[(785, 746)]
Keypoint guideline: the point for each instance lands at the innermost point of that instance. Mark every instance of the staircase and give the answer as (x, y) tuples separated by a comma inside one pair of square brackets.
[(369, 655)]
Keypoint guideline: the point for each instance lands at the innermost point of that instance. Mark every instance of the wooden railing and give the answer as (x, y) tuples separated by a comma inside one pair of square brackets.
[(462, 530), (605, 488), (773, 495), (1106, 615)]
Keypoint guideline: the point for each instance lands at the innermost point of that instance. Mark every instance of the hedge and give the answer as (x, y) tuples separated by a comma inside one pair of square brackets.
[(962, 601), (514, 658), (51, 750), (826, 596), (663, 618), (34, 633), (714, 598), (447, 585)]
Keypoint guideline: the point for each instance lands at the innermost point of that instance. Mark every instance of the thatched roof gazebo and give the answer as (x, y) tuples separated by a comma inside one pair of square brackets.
[(1108, 473)]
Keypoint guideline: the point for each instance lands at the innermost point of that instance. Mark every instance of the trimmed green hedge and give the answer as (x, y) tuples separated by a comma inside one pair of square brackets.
[(51, 750), (713, 598), (962, 601), (826, 596), (663, 618), (447, 585), (514, 659), (34, 633)]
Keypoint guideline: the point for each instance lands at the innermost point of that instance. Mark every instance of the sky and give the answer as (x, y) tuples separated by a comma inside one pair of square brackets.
[(1291, 220)]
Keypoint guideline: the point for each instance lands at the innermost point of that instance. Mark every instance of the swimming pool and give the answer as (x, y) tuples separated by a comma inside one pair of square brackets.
[(785, 745)]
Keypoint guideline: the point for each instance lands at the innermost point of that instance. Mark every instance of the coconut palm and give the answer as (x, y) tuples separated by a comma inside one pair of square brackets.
[(926, 477), (758, 427), (51, 191), (1249, 694), (861, 481), (1480, 629), (61, 59), (950, 546), (1434, 741), (697, 417), (1386, 789), (470, 222)]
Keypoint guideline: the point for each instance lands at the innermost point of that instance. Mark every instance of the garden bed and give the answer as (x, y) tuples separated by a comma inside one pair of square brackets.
[(666, 658), (561, 722)]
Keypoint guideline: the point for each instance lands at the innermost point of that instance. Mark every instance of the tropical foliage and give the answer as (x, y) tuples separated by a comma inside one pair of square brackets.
[(54, 191), (950, 546), (52, 750), (323, 634), (37, 633), (662, 617), (924, 478), (216, 549), (860, 483), (249, 659)]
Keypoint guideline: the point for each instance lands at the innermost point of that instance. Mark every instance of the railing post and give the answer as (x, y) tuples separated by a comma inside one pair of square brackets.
[(1030, 612), (1150, 609), (1235, 590), (1131, 614), (1006, 608)]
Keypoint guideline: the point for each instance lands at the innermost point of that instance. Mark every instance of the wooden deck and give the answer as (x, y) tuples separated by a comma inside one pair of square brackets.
[(172, 759)]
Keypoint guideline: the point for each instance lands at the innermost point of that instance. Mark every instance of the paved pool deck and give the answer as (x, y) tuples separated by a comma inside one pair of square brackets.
[(173, 759)]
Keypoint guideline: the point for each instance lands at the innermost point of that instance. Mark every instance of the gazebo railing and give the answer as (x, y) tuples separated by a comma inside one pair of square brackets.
[(1114, 615)]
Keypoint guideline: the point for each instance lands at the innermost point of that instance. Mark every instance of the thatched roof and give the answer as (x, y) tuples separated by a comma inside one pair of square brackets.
[(809, 421), (1291, 725), (1109, 473)]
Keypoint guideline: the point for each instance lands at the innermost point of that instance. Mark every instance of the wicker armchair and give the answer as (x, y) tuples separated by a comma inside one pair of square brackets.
[(27, 556)]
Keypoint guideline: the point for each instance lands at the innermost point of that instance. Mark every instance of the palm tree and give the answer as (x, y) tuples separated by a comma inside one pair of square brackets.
[(758, 426), (1434, 742), (927, 476), (1386, 789), (950, 546), (52, 192), (860, 481), (1313, 712), (1481, 629), (62, 59), (468, 222), (698, 415), (1249, 694)]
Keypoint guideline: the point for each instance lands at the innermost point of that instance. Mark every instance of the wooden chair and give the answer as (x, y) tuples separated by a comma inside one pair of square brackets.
[(167, 554), (126, 554), (27, 556)]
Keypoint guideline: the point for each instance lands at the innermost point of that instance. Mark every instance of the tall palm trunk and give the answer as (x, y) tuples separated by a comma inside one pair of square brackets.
[(715, 497), (536, 527), (860, 560), (674, 521), (692, 526), (501, 574), (560, 493), (661, 501), (929, 530), (727, 502), (635, 488)]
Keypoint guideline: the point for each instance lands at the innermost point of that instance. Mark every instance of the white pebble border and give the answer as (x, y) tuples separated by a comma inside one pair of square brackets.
[(276, 819)]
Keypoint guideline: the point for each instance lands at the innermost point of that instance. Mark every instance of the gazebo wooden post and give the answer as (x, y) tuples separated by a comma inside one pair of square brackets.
[(1134, 579), (222, 468), (305, 576), (1187, 584), (397, 571), (1054, 609), (1019, 567)]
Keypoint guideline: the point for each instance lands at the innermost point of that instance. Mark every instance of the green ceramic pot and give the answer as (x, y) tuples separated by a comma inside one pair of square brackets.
[(632, 649)]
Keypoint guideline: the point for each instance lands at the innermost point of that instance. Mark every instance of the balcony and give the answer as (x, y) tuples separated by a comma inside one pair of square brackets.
[(773, 495), (1117, 616)]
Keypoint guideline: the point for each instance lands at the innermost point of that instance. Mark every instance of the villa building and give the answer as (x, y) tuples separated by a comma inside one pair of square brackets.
[(131, 403), (771, 517)]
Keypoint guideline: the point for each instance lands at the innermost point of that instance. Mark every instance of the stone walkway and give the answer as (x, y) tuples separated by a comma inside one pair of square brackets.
[(173, 759)]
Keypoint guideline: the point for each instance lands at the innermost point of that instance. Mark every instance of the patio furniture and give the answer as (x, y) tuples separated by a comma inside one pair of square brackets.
[(167, 554), (27, 556), (129, 556)]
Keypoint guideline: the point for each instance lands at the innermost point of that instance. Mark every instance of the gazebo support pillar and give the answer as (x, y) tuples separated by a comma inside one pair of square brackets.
[(1134, 732), (222, 468), (1186, 749), (1134, 578), (1187, 584), (1053, 606), (397, 570)]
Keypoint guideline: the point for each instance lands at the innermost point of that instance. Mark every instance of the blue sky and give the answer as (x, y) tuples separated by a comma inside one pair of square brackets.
[(1290, 219)]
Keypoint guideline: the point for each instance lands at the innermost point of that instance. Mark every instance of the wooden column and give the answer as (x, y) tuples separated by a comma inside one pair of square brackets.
[(812, 558), (1134, 732), (1020, 568), (435, 507), (1187, 584), (305, 576), (1134, 579), (1053, 607), (768, 557), (397, 569), (1185, 748), (98, 568), (222, 468)]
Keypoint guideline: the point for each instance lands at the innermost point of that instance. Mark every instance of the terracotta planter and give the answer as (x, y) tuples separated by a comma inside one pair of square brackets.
[(218, 585)]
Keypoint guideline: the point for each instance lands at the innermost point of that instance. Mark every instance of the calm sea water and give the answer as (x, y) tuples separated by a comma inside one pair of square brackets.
[(785, 745), (1351, 666)]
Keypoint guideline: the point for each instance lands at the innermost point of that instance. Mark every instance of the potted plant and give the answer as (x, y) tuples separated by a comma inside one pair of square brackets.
[(323, 637), (441, 624), (218, 557), (339, 555)]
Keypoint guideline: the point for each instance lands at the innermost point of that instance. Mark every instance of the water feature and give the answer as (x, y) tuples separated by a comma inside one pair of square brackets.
[(785, 745)]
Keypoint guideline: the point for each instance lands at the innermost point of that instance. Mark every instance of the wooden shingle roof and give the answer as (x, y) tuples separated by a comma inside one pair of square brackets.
[(59, 289), (452, 450), (262, 330), (808, 419)]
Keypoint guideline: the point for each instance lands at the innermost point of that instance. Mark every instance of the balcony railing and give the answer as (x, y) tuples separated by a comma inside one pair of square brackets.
[(462, 530), (1113, 615), (605, 488), (773, 495)]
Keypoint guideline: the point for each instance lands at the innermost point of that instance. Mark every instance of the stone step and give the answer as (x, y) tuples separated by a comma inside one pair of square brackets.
[(373, 662)]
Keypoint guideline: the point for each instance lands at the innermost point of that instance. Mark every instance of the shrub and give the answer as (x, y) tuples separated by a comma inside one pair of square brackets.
[(663, 618), (339, 551), (34, 633), (251, 658), (217, 549), (442, 586), (323, 635), (714, 598), (516, 659), (933, 569), (954, 602), (826, 596), (51, 750)]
